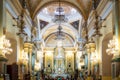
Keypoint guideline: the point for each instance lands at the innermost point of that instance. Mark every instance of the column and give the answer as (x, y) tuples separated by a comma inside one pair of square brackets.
[(89, 61), (116, 16), (98, 57), (30, 59), (2, 25), (89, 67), (2, 20)]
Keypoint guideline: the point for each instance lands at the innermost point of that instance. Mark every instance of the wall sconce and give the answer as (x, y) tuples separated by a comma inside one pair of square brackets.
[(98, 20), (21, 23), (5, 46)]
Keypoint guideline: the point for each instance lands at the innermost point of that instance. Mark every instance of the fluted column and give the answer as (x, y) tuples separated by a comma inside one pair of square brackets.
[(20, 66), (116, 59), (26, 53), (2, 25), (116, 16), (89, 67), (98, 57), (89, 61), (2, 11), (30, 58)]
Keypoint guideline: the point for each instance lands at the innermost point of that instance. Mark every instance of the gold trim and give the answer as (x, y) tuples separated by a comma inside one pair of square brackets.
[(82, 12)]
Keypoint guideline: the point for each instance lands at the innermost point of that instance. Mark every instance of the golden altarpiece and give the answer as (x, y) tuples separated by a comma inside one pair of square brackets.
[(59, 61)]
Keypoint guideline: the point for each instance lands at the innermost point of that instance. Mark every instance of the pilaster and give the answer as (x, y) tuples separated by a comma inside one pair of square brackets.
[(2, 25), (116, 16)]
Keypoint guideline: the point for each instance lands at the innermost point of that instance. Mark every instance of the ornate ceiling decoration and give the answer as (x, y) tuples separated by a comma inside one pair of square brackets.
[(74, 10), (67, 13), (83, 6)]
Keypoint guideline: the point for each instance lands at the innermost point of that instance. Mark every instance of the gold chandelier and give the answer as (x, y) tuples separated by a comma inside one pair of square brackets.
[(5, 46), (112, 47)]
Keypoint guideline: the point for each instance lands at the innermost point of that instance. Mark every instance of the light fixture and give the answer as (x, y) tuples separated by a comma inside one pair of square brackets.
[(59, 18), (112, 47), (20, 22), (59, 15), (5, 46), (59, 35), (98, 20)]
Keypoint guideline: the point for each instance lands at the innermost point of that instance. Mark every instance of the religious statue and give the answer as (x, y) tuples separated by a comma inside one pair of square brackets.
[(59, 59)]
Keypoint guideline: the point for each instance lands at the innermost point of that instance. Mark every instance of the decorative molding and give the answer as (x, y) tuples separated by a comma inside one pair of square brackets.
[(65, 24), (104, 8), (47, 2)]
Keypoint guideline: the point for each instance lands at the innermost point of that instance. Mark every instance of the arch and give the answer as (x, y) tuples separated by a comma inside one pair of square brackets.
[(65, 25), (62, 32), (51, 40), (106, 59), (39, 8)]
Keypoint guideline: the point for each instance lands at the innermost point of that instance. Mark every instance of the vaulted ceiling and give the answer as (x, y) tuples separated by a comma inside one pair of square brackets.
[(76, 11), (83, 6)]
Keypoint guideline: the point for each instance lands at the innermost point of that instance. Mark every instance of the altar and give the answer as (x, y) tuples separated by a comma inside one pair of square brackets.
[(59, 62), (60, 75)]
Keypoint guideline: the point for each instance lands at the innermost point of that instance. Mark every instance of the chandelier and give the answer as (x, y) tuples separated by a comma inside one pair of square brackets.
[(112, 47), (59, 16), (59, 35), (5, 46)]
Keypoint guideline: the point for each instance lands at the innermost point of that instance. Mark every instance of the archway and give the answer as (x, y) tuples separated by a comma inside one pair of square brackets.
[(40, 7)]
